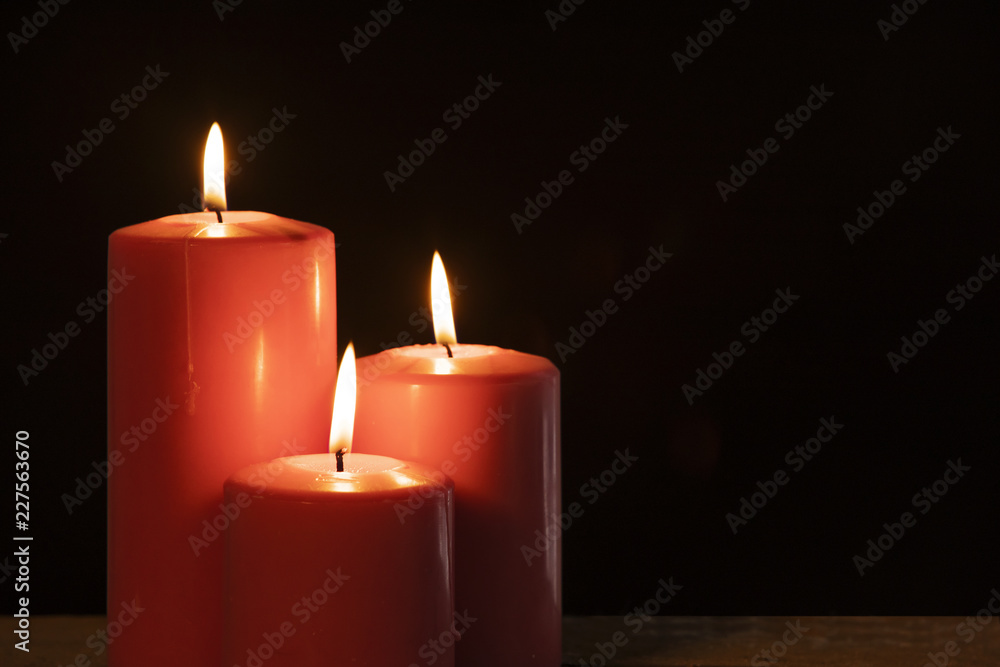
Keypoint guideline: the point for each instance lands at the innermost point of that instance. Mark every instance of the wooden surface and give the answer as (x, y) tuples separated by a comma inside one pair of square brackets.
[(663, 640)]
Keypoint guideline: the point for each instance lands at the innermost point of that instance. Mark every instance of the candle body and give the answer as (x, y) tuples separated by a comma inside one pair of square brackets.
[(488, 418), (221, 353), (321, 570)]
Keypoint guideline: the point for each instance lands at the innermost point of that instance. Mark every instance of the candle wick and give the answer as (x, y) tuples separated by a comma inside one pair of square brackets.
[(340, 460), (447, 347), (218, 212)]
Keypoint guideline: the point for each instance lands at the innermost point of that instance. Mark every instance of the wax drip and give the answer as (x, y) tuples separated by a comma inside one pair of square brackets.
[(191, 395)]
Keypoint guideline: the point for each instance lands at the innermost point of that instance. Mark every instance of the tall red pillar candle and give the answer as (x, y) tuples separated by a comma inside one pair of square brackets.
[(488, 418), (221, 353), (320, 571)]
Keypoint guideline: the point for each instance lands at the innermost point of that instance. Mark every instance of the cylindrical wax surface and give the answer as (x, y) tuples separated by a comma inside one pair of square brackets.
[(324, 569), (488, 418), (222, 352)]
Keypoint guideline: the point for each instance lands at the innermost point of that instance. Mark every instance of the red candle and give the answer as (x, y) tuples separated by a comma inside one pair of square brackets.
[(221, 353), (321, 571), (488, 418)]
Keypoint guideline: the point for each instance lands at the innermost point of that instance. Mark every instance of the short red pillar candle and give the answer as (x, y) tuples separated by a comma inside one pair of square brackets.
[(323, 567), (321, 571)]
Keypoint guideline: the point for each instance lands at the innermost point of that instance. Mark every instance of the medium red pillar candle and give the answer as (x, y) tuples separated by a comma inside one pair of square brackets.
[(488, 418), (320, 571), (221, 353)]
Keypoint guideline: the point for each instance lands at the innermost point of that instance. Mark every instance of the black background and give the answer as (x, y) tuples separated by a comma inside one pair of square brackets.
[(655, 185)]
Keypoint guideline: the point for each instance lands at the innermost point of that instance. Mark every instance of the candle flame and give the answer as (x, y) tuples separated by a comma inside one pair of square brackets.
[(444, 322), (342, 427), (214, 171)]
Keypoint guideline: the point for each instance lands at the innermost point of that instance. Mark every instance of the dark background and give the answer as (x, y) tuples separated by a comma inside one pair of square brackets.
[(655, 185)]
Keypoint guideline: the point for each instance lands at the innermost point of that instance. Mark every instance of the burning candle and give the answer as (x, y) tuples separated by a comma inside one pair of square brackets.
[(320, 568), (221, 353), (488, 418)]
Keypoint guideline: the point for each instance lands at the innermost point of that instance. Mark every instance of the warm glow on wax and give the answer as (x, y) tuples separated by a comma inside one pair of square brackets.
[(214, 174), (444, 322), (342, 428)]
